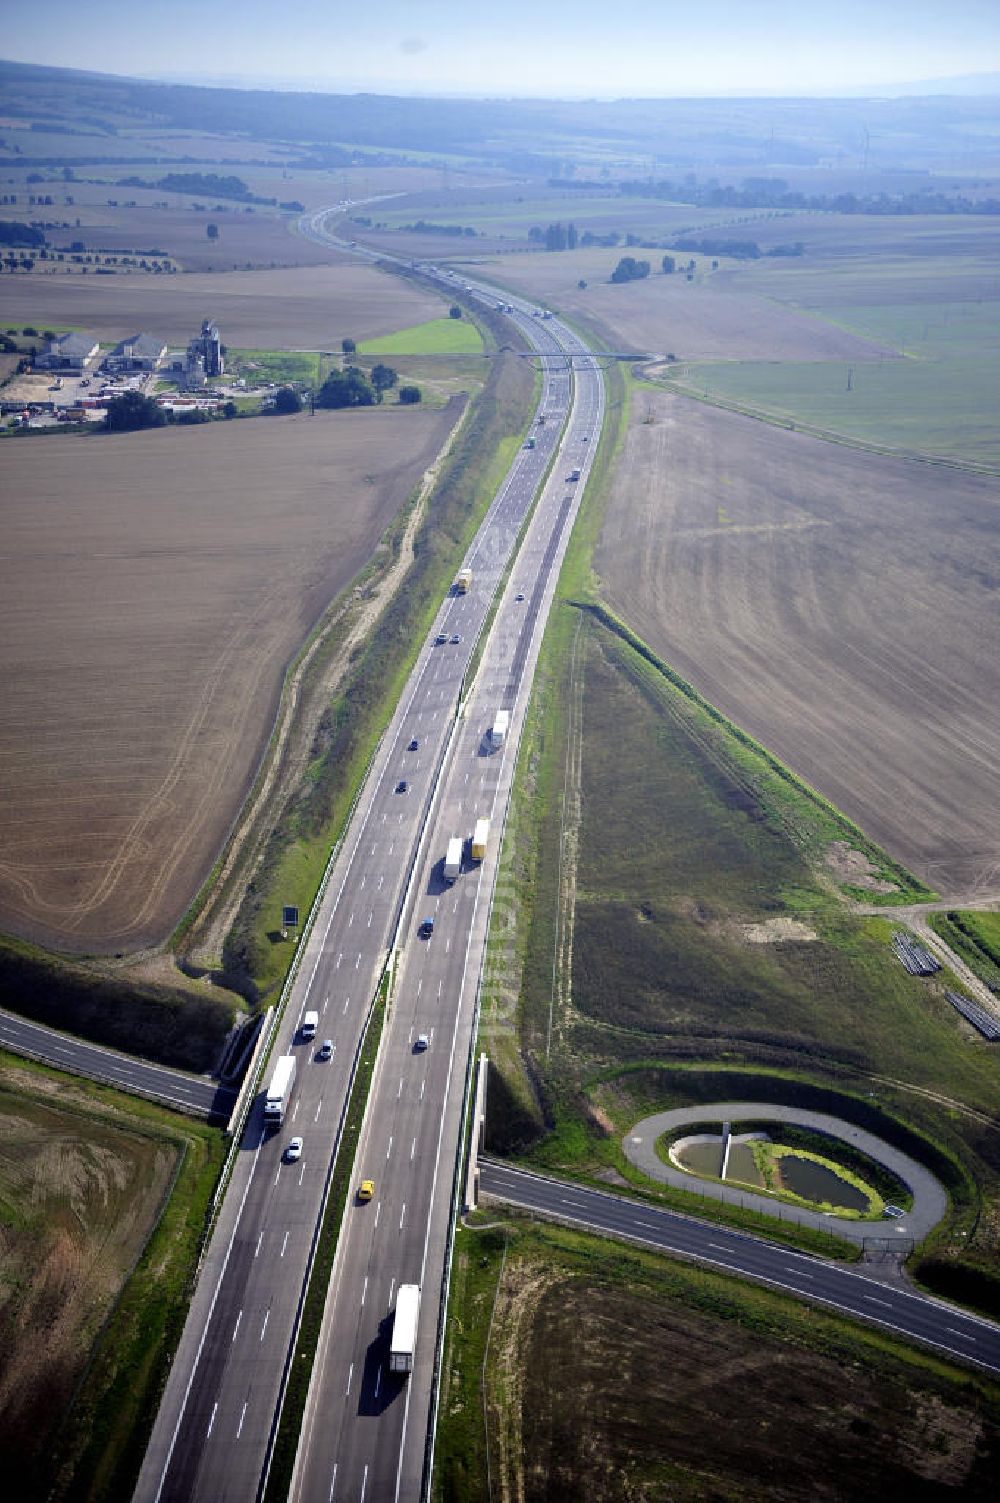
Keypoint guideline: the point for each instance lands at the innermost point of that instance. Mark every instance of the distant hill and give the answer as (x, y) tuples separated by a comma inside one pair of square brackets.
[(529, 137)]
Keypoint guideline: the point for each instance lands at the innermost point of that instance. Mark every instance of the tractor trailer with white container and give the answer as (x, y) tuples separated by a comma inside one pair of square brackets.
[(279, 1091), (500, 725), (453, 860), (403, 1344)]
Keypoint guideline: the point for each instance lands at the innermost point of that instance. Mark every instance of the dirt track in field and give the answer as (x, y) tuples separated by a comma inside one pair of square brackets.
[(301, 308), (153, 586), (842, 607), (700, 320)]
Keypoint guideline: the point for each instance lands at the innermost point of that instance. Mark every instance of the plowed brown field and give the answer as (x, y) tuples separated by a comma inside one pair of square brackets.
[(842, 607), (701, 320), (310, 308), (153, 587)]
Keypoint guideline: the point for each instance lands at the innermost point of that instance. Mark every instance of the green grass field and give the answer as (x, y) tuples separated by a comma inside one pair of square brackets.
[(439, 336), (941, 315), (299, 366)]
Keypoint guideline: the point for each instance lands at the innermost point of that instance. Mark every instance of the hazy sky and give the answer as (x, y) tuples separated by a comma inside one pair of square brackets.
[(495, 47)]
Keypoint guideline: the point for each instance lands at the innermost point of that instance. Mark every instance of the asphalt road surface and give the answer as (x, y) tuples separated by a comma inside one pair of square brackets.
[(212, 1435), (188, 1093), (365, 1433), (912, 1315)]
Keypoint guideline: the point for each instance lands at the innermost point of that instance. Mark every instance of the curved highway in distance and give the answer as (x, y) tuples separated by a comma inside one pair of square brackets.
[(907, 1312), (215, 1427)]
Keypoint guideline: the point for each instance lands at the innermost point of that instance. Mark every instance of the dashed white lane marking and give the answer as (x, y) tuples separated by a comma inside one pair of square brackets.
[(237, 1325), (267, 1317), (211, 1422), (284, 1244)]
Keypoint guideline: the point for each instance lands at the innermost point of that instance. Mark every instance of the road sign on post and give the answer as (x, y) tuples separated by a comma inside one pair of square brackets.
[(289, 917)]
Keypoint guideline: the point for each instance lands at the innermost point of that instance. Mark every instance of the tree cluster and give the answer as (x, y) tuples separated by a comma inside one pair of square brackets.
[(14, 233), (425, 227), (630, 270), (712, 245), (352, 388), (131, 411), (555, 237)]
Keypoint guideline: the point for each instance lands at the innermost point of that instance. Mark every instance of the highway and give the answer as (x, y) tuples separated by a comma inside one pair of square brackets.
[(213, 1433), (364, 1434), (908, 1313), (187, 1093)]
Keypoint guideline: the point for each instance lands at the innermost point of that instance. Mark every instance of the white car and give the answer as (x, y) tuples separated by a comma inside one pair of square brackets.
[(422, 1042), (294, 1150)]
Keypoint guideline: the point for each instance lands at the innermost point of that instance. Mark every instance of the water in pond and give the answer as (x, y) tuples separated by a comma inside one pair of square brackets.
[(741, 1165), (816, 1183), (701, 1158)]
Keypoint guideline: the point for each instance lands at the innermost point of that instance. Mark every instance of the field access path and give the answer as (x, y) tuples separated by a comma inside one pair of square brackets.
[(215, 1429)]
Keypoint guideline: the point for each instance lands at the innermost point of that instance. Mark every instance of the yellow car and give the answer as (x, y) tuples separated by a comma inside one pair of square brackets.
[(366, 1190)]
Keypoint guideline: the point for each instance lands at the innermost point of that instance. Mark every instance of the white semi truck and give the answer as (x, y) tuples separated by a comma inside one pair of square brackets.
[(453, 860), (404, 1329), (279, 1091), (500, 725)]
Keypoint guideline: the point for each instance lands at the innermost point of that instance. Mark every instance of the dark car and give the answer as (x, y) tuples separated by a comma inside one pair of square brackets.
[(402, 786), (414, 744)]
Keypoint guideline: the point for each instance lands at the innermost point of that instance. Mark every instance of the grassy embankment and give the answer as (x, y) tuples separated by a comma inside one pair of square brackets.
[(176, 1025), (976, 938), (98, 1253), (694, 926), (610, 1372), (939, 399), (298, 850)]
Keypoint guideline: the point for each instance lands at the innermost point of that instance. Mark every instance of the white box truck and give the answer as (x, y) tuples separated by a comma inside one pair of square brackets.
[(453, 860), (279, 1091), (310, 1025), (404, 1329), (480, 839), (499, 732)]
